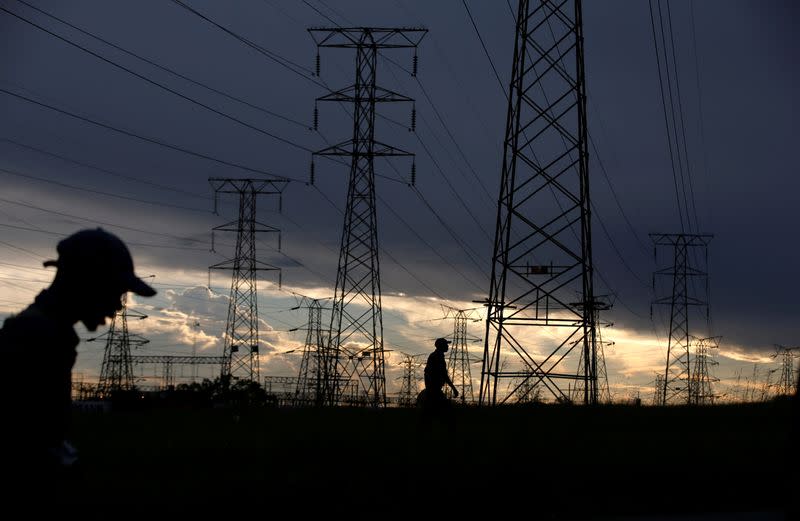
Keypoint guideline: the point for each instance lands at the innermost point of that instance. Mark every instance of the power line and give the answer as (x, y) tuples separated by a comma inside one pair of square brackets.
[(614, 194), (666, 119), (104, 170), (441, 171), (485, 50), (444, 125), (280, 60), (320, 13), (94, 221), (144, 138), (98, 192), (453, 190), (166, 69), (426, 243), (249, 43), (24, 250), (423, 144), (59, 234), (691, 201), (452, 233), (335, 12), (160, 85), (383, 250)]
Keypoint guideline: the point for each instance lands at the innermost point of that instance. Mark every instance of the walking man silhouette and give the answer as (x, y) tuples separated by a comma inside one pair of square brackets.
[(436, 375)]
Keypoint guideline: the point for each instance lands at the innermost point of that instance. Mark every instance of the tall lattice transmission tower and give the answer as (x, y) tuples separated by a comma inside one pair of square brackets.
[(308, 380), (354, 358), (241, 342), (458, 359), (701, 391), (788, 381), (409, 384), (602, 391), (116, 373), (684, 277), (658, 392), (543, 243)]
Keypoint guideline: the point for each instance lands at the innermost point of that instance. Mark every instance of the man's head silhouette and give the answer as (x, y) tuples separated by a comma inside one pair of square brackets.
[(95, 269), (442, 344)]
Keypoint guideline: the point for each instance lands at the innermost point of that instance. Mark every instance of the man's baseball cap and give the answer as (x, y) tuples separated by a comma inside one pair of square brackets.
[(101, 254), (441, 341)]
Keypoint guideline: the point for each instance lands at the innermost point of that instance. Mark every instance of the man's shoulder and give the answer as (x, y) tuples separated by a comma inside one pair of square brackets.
[(29, 325), (32, 318)]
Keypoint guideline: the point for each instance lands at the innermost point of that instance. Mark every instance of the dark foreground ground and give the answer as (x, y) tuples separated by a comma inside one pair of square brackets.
[(546, 462)]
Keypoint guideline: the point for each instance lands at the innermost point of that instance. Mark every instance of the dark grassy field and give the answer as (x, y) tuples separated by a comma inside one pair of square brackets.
[(554, 462)]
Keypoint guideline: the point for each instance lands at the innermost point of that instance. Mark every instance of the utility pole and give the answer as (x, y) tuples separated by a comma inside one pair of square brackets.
[(308, 381), (354, 356), (116, 373), (241, 332), (409, 385), (701, 389), (788, 382), (459, 360), (677, 375), (543, 243)]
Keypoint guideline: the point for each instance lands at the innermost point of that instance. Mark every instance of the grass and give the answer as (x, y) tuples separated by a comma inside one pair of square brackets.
[(555, 461)]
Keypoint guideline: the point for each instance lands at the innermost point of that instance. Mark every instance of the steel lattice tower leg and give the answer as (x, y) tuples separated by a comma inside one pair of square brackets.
[(458, 361), (677, 375), (241, 347), (542, 252), (116, 373), (307, 381), (354, 359)]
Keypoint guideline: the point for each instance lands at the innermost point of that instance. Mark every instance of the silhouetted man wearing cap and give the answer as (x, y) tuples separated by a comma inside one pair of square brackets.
[(436, 375), (37, 349)]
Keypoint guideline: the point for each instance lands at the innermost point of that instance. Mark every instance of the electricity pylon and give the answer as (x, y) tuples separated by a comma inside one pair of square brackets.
[(701, 389), (459, 360), (308, 380), (116, 373), (788, 382), (241, 345), (409, 386), (677, 375), (598, 365), (603, 389), (354, 356), (542, 247), (658, 393)]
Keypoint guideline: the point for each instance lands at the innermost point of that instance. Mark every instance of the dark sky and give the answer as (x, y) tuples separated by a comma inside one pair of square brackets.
[(739, 113)]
